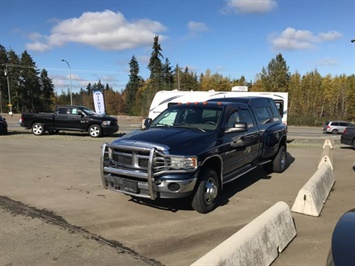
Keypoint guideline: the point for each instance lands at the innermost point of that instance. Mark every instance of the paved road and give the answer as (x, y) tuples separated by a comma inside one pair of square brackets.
[(54, 210)]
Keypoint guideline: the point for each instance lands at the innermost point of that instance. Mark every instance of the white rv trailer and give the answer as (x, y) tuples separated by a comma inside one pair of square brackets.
[(164, 99)]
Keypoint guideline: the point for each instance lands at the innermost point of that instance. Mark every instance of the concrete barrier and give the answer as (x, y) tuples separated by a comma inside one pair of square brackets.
[(258, 243), (313, 195), (327, 154)]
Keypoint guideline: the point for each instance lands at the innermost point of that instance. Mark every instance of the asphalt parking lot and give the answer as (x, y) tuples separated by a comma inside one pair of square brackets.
[(55, 211)]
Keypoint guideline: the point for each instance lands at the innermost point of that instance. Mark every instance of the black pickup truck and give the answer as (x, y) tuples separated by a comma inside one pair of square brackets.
[(70, 118), (193, 150)]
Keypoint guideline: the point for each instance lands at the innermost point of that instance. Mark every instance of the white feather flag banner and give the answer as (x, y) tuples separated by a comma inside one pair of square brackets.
[(99, 102)]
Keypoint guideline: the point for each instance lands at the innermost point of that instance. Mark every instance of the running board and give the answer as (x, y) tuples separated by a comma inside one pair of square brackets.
[(262, 162), (248, 169)]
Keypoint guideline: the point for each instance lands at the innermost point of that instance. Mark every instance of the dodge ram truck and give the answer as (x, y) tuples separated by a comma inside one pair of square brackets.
[(70, 118), (193, 150)]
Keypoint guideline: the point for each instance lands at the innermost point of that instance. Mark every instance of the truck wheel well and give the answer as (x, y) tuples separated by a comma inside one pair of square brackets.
[(282, 142), (214, 163)]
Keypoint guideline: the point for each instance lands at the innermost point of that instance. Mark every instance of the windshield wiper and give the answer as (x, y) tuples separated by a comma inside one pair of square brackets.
[(195, 127)]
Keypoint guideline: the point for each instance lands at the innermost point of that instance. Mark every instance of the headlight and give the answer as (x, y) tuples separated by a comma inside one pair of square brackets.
[(183, 162), (106, 123)]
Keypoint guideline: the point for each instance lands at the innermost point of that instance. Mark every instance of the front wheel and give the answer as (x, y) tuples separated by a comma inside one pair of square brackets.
[(206, 196), (353, 144), (279, 162), (95, 131), (38, 129)]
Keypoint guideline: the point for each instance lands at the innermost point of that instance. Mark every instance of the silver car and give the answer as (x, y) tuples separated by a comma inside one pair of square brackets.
[(336, 127)]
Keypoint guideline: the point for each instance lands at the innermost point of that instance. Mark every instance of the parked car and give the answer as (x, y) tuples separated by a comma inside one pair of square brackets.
[(336, 127), (348, 137), (3, 125)]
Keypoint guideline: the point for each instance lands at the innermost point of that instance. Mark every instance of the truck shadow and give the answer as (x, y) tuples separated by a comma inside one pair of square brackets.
[(248, 180), (61, 133), (20, 132), (229, 190)]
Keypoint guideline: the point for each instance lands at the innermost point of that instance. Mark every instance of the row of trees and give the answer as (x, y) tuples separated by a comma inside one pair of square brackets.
[(312, 97)]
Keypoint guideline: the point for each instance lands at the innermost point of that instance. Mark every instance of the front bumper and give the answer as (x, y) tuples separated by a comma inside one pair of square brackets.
[(164, 189), (108, 130), (140, 171)]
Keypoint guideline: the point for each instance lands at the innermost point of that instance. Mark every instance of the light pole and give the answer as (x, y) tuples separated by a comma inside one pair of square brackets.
[(8, 90), (71, 97)]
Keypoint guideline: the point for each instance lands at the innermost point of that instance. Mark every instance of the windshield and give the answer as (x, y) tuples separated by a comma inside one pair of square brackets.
[(196, 117)]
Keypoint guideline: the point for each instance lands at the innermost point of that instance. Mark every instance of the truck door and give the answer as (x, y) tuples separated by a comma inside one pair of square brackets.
[(233, 144), (252, 137), (68, 118)]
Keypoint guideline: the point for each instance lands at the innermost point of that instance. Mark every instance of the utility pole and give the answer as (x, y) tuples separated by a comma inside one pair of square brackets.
[(8, 90)]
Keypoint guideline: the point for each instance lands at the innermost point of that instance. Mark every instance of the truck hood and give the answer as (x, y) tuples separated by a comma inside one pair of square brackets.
[(177, 140)]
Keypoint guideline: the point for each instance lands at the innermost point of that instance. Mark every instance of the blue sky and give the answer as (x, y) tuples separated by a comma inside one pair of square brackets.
[(233, 37)]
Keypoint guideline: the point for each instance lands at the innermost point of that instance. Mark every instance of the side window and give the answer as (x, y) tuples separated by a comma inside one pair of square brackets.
[(344, 124), (264, 114), (335, 124), (280, 107), (233, 118), (247, 117), (62, 111)]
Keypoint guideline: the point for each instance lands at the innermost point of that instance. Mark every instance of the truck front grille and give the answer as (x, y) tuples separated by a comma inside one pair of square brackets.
[(136, 159)]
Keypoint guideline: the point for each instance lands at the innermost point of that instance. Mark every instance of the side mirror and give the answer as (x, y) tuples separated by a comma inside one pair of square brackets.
[(147, 122), (238, 127)]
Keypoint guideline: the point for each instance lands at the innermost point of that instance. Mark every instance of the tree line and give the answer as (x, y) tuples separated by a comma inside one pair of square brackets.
[(312, 98)]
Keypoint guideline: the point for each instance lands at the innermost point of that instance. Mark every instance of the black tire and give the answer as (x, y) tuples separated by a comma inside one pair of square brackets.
[(38, 129), (279, 162), (334, 131), (207, 192), (353, 144), (95, 131)]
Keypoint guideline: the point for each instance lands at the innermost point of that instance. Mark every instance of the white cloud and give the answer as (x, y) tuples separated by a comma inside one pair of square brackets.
[(250, 6), (328, 62), (329, 36), (105, 30), (292, 39), (197, 26)]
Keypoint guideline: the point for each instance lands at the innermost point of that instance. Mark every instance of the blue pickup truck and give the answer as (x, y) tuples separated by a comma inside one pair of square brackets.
[(70, 118), (193, 150)]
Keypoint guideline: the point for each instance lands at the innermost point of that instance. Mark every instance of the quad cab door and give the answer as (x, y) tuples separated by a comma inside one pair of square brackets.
[(240, 148), (70, 118)]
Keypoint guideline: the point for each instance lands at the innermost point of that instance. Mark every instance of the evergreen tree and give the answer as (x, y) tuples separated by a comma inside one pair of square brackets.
[(276, 77), (188, 80), (168, 74), (155, 65), (31, 89), (13, 77), (47, 89), (132, 87)]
